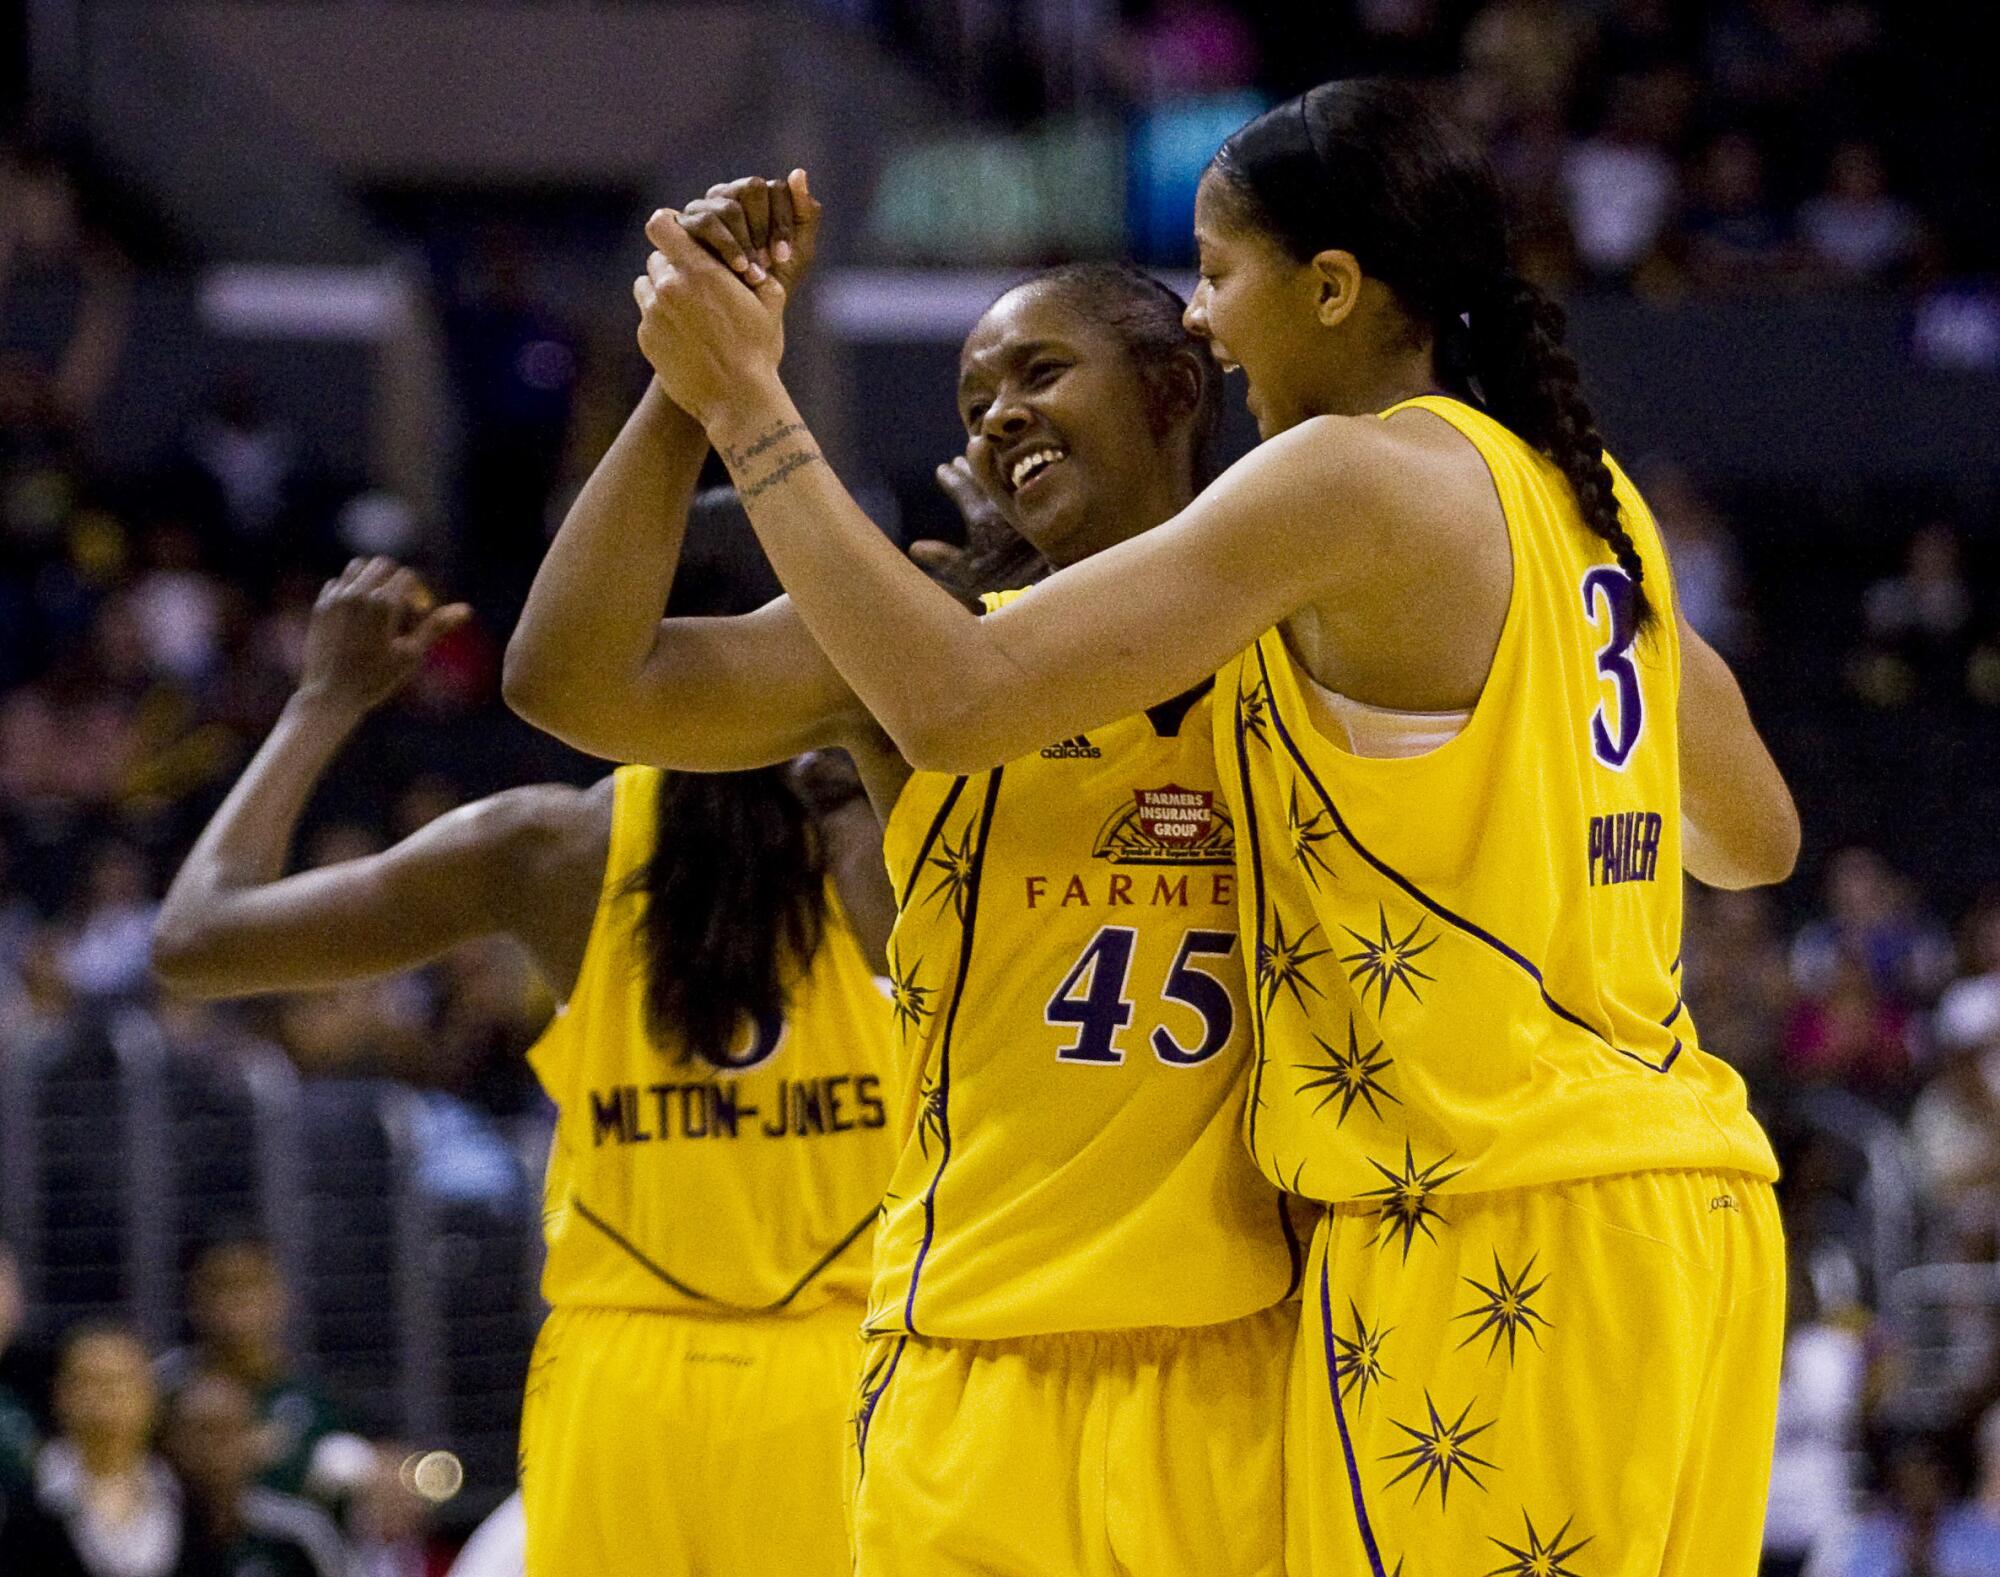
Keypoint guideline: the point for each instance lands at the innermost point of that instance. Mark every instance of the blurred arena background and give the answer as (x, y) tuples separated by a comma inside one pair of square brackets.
[(287, 280)]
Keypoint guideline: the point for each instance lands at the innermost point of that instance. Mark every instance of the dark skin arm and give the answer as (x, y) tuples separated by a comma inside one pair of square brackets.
[(592, 661), (1308, 531), (526, 863)]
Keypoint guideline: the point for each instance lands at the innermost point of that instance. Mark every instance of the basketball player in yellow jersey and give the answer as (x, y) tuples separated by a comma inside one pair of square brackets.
[(718, 1071), (1079, 1320), (1469, 765)]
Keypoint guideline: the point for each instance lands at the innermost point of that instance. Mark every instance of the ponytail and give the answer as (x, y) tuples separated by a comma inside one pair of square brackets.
[(735, 906)]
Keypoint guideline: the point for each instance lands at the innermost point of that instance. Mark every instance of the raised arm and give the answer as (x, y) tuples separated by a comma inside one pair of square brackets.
[(1291, 522), (592, 661), (1741, 828), (233, 924)]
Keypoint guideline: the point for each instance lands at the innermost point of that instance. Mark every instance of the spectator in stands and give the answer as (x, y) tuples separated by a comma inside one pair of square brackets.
[(1925, 1529), (1526, 52), (1708, 571), (178, 605), (241, 468), (117, 1502), (1820, 1394), (233, 1527), (1735, 236), (108, 954), (1855, 227), (1955, 1133), (1737, 982), (65, 293), (1851, 1036), (1922, 617), (238, 1307), (1622, 184), (1872, 920), (1968, 1013)]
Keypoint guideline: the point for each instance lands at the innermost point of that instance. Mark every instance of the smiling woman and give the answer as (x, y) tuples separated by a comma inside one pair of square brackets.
[(1045, 383), (1473, 939), (1074, 1239)]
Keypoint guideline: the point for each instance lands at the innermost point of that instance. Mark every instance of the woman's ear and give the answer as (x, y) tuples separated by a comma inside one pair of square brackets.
[(1338, 277)]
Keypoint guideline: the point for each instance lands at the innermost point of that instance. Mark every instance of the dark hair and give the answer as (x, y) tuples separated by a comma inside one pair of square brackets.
[(735, 891), (1146, 316), (735, 902), (1367, 166)]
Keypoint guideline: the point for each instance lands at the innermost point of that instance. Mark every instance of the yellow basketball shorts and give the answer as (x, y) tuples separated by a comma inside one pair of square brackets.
[(671, 1445), (1148, 1453), (1572, 1381)]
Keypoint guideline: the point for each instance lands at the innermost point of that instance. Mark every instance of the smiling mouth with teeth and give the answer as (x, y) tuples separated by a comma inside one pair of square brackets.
[(1030, 466)]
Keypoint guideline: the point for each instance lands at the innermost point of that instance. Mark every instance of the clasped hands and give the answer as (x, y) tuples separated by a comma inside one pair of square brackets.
[(705, 334)]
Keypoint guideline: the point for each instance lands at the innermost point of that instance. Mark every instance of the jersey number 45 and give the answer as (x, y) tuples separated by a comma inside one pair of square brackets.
[(1094, 997)]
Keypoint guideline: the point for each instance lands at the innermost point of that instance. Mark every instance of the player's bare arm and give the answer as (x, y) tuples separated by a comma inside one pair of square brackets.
[(525, 863), (1129, 627), (1741, 827), (592, 661)]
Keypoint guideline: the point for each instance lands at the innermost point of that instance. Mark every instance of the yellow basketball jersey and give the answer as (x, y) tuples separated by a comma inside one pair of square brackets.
[(1072, 1020), (1468, 962), (675, 1185)]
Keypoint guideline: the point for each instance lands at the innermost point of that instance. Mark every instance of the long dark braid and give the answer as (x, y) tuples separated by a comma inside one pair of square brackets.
[(1369, 167)]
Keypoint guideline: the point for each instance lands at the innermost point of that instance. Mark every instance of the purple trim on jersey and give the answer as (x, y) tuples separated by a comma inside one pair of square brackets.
[(930, 839), (944, 1046), (1255, 992), (1680, 1002), (870, 1400), (1471, 929), (1362, 1525)]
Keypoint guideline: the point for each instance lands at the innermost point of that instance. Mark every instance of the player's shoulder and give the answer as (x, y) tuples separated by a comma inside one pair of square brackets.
[(544, 832)]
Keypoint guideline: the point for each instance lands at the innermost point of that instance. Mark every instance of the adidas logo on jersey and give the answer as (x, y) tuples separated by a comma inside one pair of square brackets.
[(1077, 748)]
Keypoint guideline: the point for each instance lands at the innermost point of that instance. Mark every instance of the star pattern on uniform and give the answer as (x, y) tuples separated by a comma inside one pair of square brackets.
[(1386, 960), (931, 1113), (1253, 711), (1281, 963), (1307, 833), (870, 1395), (1441, 1450), (1357, 1360), (1539, 1559), (909, 998), (1348, 1076), (954, 862), (1509, 1309), (1406, 1206)]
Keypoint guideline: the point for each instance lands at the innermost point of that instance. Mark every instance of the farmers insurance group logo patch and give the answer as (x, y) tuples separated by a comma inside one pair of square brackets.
[(1168, 826)]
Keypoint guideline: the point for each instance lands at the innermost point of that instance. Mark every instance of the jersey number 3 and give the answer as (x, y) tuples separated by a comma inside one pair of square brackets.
[(1609, 589), (1093, 997)]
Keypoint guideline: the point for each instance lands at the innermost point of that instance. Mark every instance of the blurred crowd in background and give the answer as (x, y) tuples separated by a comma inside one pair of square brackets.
[(151, 624)]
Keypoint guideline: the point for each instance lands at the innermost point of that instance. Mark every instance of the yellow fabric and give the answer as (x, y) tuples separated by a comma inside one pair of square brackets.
[(1579, 1380), (677, 1445), (1058, 1174), (1152, 1453), (1468, 961), (674, 1186)]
